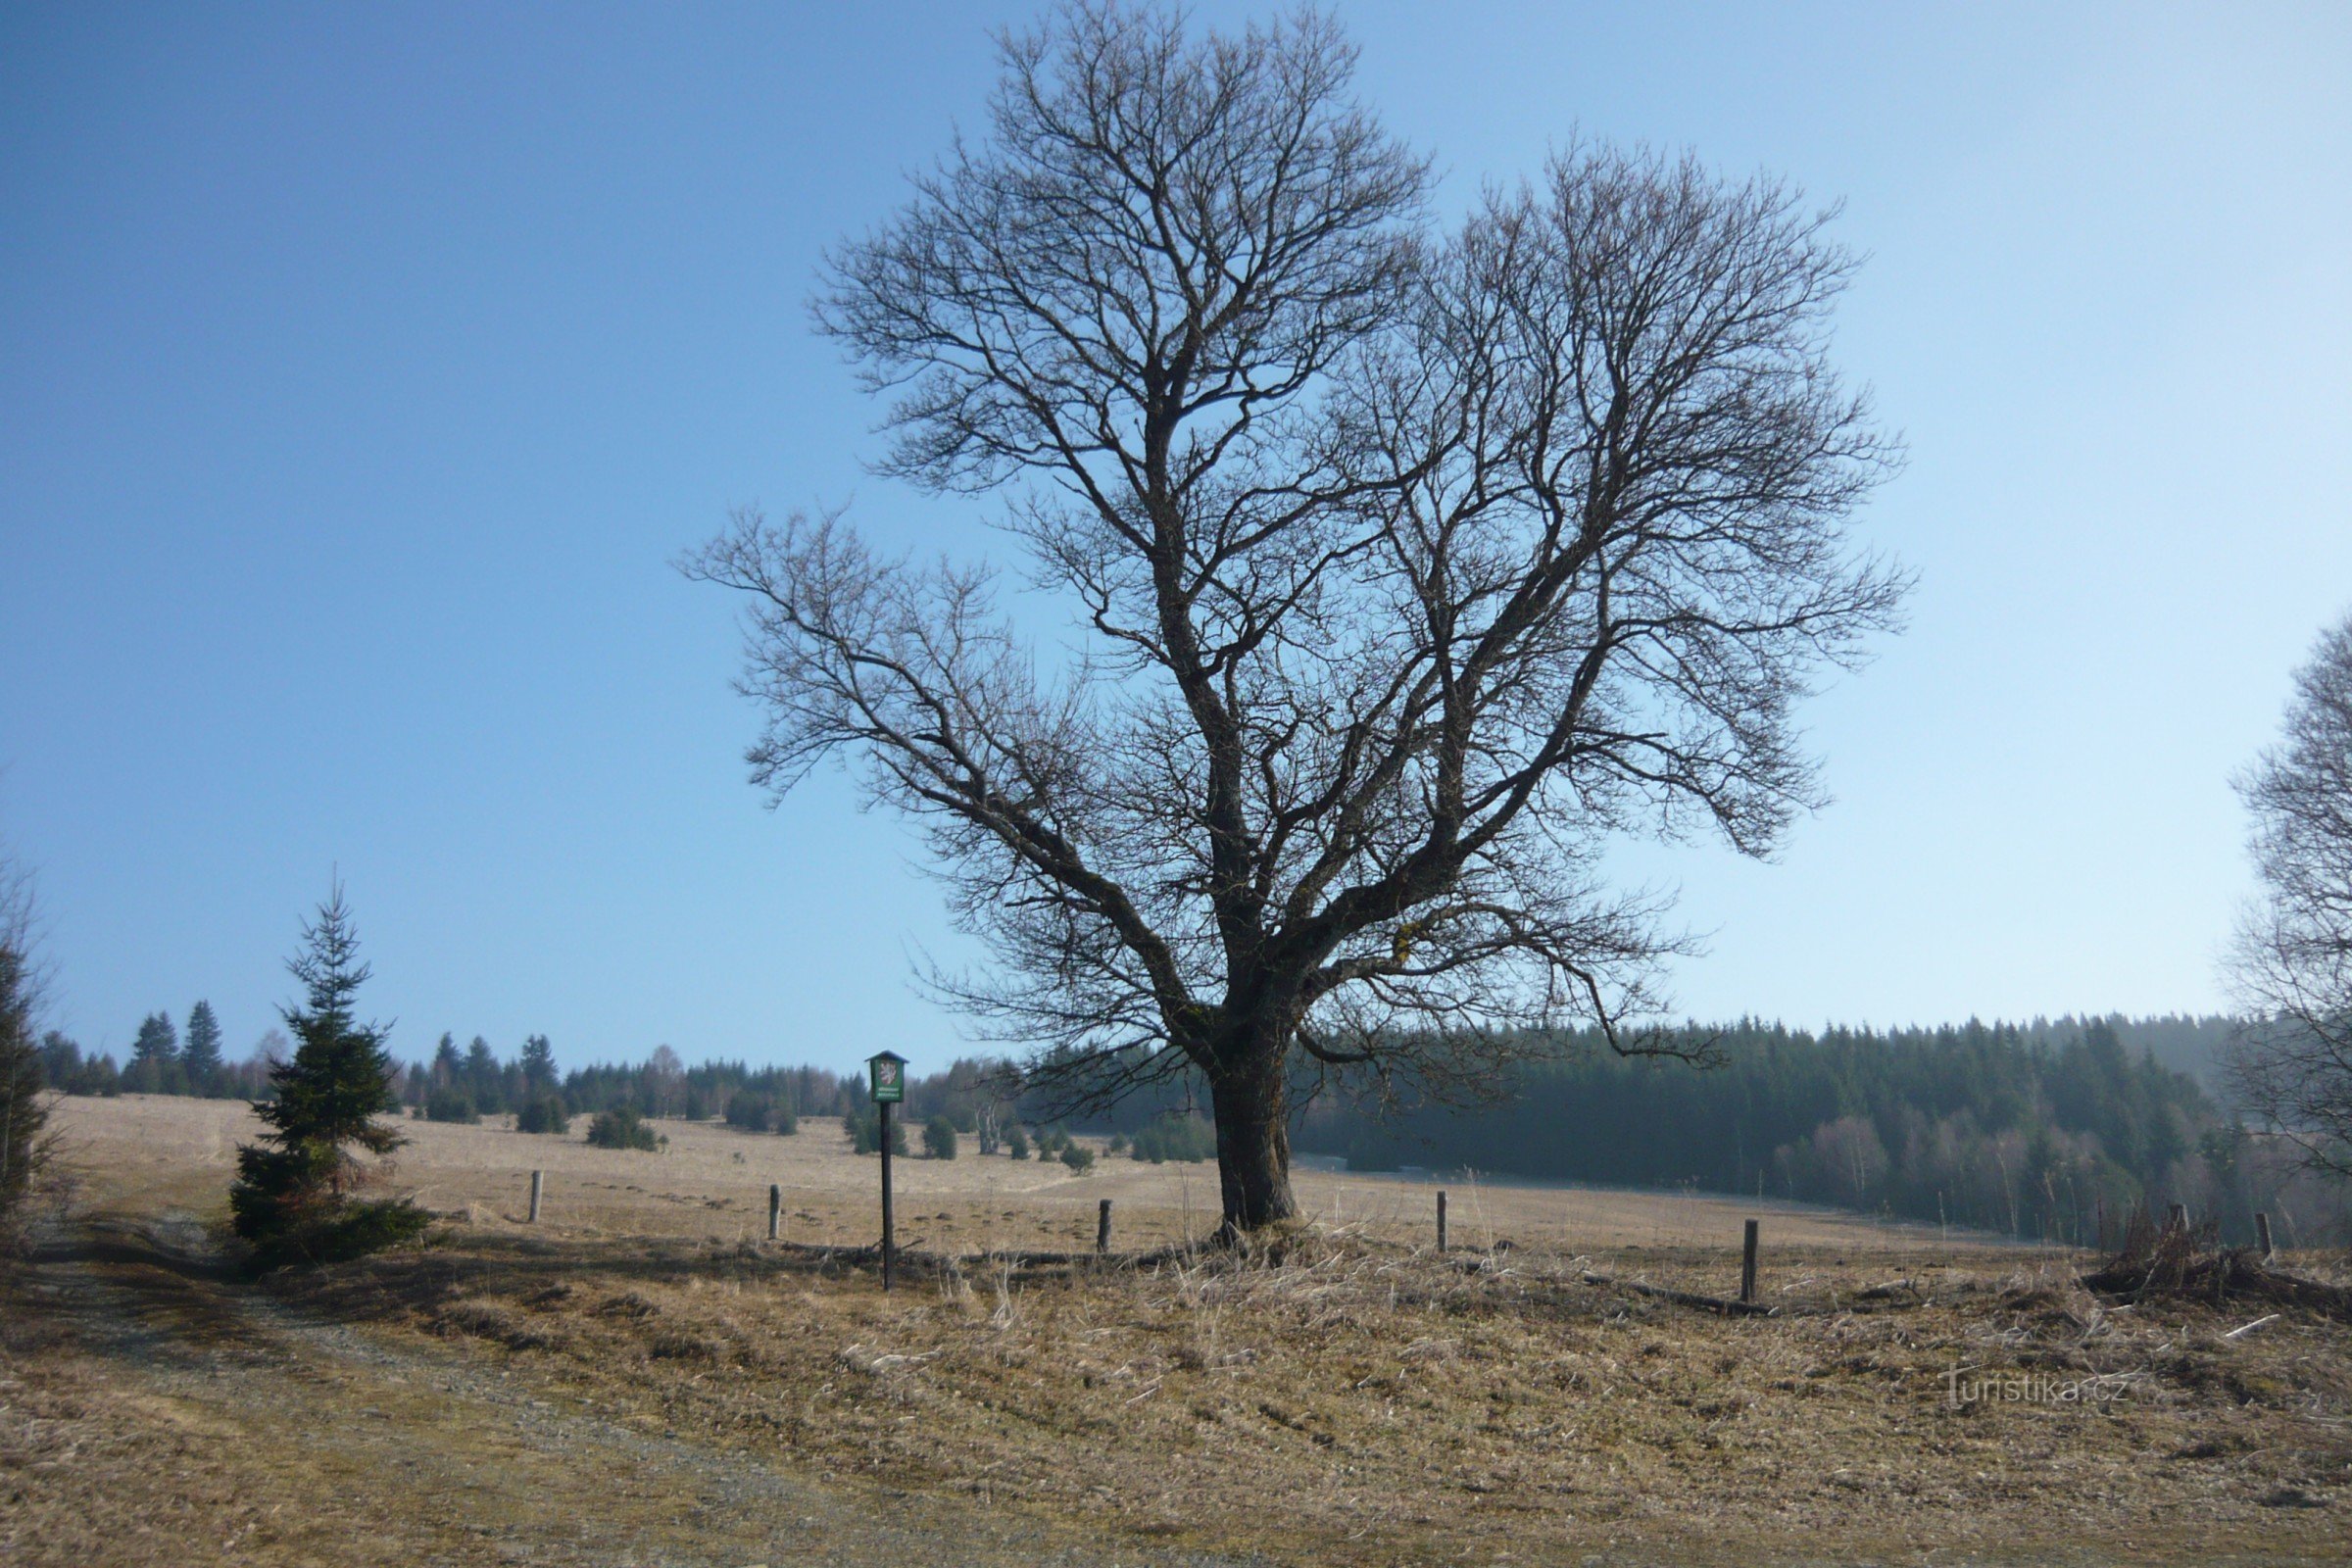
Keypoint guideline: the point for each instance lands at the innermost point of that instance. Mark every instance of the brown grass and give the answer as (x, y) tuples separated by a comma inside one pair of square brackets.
[(1363, 1399)]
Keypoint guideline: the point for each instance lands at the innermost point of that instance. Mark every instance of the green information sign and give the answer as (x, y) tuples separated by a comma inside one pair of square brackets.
[(890, 1077)]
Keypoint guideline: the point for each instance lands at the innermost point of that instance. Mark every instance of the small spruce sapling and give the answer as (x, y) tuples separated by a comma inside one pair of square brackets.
[(292, 1200)]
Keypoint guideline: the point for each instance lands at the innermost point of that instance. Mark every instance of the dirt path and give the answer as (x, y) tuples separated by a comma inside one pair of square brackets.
[(177, 1415)]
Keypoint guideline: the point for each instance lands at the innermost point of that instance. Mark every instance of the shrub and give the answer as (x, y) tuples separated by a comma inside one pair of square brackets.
[(358, 1229), (1186, 1139), (450, 1104), (760, 1113), (1117, 1144), (866, 1132), (939, 1139), (1079, 1158), (1016, 1144), (543, 1113), (622, 1128)]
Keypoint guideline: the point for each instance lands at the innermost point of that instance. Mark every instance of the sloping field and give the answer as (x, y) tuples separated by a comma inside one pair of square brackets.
[(710, 1183), (642, 1378)]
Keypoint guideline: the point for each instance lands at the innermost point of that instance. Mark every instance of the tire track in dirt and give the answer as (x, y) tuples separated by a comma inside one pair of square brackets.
[(419, 1457)]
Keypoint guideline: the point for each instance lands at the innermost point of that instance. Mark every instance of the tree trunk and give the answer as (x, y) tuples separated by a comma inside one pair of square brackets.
[(1252, 1103)]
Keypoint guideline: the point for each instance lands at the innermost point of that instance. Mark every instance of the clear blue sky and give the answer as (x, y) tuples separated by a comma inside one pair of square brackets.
[(362, 368)]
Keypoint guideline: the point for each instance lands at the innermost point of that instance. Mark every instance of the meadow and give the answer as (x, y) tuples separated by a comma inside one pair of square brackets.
[(642, 1377)]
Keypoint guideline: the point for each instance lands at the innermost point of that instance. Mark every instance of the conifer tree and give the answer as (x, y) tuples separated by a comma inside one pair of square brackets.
[(482, 1076), (292, 1197), (538, 1063), (448, 1065), (25, 1145), (153, 1057), (201, 1056)]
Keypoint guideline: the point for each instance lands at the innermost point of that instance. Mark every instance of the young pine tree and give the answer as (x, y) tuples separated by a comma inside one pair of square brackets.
[(292, 1197), (200, 1057)]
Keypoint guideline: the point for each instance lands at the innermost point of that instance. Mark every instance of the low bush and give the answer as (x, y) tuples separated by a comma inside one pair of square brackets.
[(1077, 1157), (752, 1112), (335, 1235), (939, 1139), (1185, 1139), (866, 1132), (622, 1128), (1016, 1144), (451, 1104), (544, 1114)]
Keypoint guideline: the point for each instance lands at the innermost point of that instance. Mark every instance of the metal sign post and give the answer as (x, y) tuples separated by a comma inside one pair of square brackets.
[(889, 1070)]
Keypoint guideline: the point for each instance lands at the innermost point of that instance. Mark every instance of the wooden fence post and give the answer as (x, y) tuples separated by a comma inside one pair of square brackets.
[(1102, 1229), (1748, 1266), (1440, 1219), (775, 1208), (2262, 1231), (538, 1185)]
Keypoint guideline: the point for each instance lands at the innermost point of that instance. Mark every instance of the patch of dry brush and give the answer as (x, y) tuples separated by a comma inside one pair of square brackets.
[(1345, 1397)]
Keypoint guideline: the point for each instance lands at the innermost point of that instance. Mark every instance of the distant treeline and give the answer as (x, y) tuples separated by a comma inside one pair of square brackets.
[(462, 1085), (2035, 1130), (165, 1060)]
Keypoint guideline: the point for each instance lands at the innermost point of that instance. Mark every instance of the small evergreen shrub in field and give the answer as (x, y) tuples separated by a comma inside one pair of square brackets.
[(752, 1112), (1077, 1157), (1016, 1144), (451, 1104), (622, 1128), (1186, 1139), (939, 1139), (866, 1132), (543, 1113)]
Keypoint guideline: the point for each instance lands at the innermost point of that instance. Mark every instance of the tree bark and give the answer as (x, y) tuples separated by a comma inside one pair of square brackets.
[(1251, 1103)]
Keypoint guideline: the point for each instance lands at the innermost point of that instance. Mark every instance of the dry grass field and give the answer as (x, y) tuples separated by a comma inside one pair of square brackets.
[(641, 1378)]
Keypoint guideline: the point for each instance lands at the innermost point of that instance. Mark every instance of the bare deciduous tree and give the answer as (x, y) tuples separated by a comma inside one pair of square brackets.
[(2292, 958), (1408, 568)]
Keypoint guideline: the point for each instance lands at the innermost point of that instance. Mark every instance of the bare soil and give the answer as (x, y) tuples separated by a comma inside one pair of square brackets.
[(642, 1378)]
